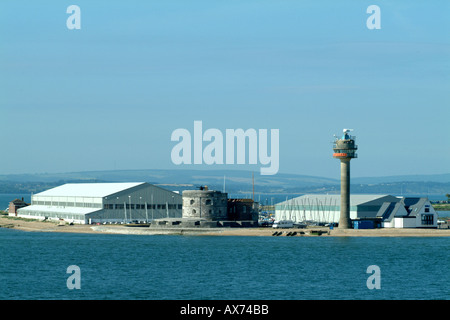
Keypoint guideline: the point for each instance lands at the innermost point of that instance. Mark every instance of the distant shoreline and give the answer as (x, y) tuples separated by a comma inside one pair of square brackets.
[(441, 206), (41, 226)]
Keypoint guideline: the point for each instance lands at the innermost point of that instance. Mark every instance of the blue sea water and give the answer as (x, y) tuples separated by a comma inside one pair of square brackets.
[(33, 265), (6, 198)]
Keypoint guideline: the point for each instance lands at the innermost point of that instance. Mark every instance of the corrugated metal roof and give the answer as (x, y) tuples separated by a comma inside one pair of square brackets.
[(62, 210), (406, 207), (355, 199), (96, 190)]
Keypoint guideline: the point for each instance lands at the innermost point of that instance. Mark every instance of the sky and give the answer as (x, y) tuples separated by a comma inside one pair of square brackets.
[(109, 95)]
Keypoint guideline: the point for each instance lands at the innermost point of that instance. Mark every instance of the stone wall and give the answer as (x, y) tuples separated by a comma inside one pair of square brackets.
[(205, 204)]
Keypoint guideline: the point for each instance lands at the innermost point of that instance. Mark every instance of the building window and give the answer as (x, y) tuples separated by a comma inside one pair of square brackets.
[(427, 219), (208, 202), (194, 211), (192, 202)]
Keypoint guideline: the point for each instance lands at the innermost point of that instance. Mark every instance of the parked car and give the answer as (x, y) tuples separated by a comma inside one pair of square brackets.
[(282, 224)]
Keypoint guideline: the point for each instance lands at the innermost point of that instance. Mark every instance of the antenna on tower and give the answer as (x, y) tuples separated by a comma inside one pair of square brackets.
[(346, 135)]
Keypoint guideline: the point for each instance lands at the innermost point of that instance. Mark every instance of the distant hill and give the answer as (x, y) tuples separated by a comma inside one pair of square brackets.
[(443, 178), (236, 181)]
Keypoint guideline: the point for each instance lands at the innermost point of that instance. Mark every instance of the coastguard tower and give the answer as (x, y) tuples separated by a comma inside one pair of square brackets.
[(345, 150)]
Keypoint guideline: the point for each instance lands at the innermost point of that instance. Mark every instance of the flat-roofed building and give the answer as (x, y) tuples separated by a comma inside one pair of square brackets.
[(104, 203)]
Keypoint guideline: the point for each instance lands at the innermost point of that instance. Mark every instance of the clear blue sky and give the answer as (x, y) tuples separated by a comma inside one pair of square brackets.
[(109, 95)]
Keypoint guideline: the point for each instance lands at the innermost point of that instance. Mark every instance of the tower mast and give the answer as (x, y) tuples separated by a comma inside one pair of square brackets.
[(345, 150)]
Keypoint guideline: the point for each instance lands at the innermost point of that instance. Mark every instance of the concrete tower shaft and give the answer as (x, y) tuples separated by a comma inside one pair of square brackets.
[(345, 150), (344, 218)]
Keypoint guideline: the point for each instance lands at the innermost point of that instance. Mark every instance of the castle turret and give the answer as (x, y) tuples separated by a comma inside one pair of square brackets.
[(205, 204)]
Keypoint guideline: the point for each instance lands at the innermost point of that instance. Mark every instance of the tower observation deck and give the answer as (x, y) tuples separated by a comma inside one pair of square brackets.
[(344, 148)]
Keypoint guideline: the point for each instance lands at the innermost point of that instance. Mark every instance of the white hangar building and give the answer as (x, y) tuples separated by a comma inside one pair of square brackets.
[(87, 203), (324, 208)]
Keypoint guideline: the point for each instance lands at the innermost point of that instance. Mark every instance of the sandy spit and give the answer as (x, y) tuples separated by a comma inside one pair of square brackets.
[(41, 226)]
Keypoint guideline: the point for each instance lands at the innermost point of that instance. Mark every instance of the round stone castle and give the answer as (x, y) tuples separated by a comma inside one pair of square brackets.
[(205, 204)]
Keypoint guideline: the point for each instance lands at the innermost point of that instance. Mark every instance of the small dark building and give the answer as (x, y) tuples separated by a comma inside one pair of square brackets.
[(242, 210), (15, 205)]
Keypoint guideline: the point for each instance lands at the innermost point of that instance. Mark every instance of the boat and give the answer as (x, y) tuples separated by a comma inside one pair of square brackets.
[(138, 225)]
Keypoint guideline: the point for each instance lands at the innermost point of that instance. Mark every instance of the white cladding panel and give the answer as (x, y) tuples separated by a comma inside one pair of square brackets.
[(104, 202)]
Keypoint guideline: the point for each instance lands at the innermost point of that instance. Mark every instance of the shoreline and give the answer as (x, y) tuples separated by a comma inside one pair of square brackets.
[(46, 226)]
